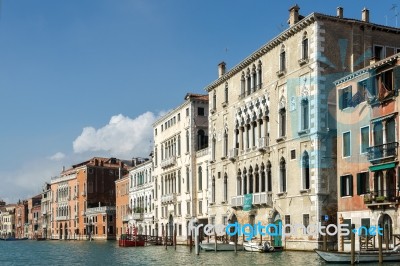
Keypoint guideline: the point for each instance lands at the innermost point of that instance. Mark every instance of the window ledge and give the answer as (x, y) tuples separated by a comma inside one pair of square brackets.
[(303, 131), (225, 104), (212, 161), (281, 139), (211, 203), (281, 73), (303, 61), (212, 110), (304, 191), (224, 202), (224, 157), (281, 194)]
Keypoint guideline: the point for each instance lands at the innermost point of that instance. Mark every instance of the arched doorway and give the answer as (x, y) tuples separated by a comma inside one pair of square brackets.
[(61, 231), (66, 231), (277, 221), (385, 222)]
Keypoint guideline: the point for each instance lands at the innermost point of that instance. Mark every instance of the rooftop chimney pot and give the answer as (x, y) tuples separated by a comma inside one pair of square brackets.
[(293, 15), (221, 69), (339, 12), (365, 15)]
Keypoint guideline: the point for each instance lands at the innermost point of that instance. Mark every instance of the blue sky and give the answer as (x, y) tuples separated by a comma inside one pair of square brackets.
[(86, 78)]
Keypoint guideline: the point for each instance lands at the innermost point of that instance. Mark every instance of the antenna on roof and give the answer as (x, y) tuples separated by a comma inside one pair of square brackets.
[(396, 13)]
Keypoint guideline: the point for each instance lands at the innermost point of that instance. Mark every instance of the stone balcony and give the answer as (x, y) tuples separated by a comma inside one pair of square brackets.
[(168, 198), (263, 144), (137, 216), (233, 154), (383, 152), (258, 199), (168, 162)]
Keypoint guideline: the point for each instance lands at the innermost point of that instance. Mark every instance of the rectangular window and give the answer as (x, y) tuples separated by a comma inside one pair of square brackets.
[(188, 207), (364, 139), (200, 111), (346, 144), (306, 220), (187, 111), (305, 48), (200, 207), (179, 117), (378, 52), (346, 185), (365, 225), (362, 183), (287, 221), (292, 154), (345, 99)]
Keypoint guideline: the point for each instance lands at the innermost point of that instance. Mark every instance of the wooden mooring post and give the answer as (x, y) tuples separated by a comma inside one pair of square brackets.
[(166, 236), (175, 238), (353, 252), (380, 254), (215, 236)]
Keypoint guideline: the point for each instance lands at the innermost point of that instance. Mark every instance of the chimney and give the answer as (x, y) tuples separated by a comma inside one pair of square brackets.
[(293, 15), (221, 69), (63, 169), (365, 15), (339, 12)]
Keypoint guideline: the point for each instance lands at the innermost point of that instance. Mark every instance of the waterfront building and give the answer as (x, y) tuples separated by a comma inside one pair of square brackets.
[(178, 135), (100, 222), (83, 186), (7, 221), (34, 217), (121, 205), (367, 147), (21, 219), (141, 196), (273, 128), (46, 211)]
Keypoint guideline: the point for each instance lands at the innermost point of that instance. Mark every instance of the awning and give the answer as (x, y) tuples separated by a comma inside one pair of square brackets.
[(382, 167)]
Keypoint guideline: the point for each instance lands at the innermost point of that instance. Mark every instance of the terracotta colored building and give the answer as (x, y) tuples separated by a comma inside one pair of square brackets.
[(122, 205), (21, 219), (100, 222), (34, 217), (85, 185)]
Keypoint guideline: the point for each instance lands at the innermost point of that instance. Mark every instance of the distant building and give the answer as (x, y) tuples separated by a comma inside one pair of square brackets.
[(46, 211), (21, 219), (34, 217), (100, 222), (83, 186), (122, 205), (7, 221)]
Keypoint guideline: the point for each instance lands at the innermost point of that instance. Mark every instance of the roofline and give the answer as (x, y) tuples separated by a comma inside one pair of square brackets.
[(357, 73), (305, 22)]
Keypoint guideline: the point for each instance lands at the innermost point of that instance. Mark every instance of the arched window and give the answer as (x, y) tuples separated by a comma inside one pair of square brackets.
[(213, 189), (239, 183), (242, 86), (304, 114), (244, 181), (200, 178), (179, 181), (306, 170), (269, 177), (201, 139), (304, 47), (226, 92), (187, 141), (179, 145), (162, 152), (187, 179), (248, 77), (226, 143), (214, 102), (253, 78), (282, 173), (225, 187), (282, 118), (251, 180), (213, 148), (282, 59), (259, 75)]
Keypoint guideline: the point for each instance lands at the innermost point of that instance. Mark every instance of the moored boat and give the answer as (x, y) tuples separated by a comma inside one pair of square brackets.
[(127, 240), (258, 247), (221, 247), (364, 256)]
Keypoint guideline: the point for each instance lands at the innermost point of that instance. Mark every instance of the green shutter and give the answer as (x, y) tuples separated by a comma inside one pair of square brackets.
[(358, 184), (340, 99), (371, 86)]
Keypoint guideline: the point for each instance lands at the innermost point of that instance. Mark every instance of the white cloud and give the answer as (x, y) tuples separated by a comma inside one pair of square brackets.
[(123, 137), (57, 156)]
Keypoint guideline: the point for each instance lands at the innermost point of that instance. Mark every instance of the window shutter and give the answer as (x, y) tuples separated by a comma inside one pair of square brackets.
[(358, 184), (341, 186), (371, 86), (396, 78), (351, 185), (340, 100)]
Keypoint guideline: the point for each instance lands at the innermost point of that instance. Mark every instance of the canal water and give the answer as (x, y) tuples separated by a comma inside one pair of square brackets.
[(98, 253)]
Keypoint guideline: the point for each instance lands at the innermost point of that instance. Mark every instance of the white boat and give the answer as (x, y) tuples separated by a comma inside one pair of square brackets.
[(258, 247), (221, 247), (365, 256)]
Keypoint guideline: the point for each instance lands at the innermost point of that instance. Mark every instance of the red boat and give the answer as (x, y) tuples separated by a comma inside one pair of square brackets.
[(129, 240)]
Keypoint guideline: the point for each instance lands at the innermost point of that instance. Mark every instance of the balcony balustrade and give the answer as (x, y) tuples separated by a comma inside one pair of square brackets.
[(168, 198), (233, 154), (382, 197), (168, 162), (263, 144), (382, 151), (137, 216)]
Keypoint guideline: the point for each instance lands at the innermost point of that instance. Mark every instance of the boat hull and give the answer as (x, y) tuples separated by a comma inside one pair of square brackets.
[(220, 247), (345, 257), (130, 243)]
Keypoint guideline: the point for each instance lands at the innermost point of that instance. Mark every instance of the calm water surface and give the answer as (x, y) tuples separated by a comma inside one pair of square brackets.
[(55, 252)]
